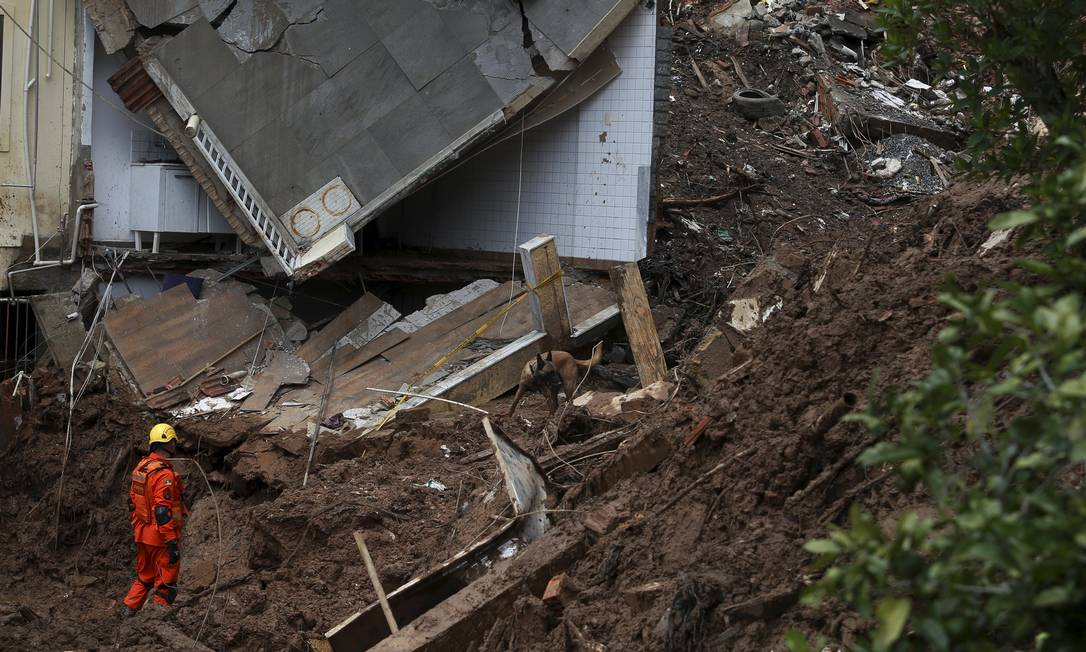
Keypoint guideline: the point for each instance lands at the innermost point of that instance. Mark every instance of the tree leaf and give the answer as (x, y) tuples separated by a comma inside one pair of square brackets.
[(891, 614), (1052, 597), (822, 547), (795, 641)]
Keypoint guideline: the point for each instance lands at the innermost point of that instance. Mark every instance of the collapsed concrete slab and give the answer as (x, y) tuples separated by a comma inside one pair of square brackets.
[(371, 97)]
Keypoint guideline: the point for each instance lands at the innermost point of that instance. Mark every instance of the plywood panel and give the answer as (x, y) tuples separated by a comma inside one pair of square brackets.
[(344, 323), (172, 334)]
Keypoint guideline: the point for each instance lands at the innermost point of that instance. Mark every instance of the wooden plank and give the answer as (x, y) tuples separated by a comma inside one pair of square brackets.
[(172, 335), (539, 258), (375, 347), (490, 378), (344, 323), (640, 327)]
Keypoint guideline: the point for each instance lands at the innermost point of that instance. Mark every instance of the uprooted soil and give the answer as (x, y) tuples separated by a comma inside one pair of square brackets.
[(721, 568)]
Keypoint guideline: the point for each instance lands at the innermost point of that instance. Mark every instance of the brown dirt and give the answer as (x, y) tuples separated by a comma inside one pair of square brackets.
[(676, 579)]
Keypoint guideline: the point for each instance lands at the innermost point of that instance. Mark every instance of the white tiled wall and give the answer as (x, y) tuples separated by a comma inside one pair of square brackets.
[(585, 174)]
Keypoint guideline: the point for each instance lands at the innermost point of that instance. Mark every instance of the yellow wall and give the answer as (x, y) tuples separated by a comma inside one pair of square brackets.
[(55, 90)]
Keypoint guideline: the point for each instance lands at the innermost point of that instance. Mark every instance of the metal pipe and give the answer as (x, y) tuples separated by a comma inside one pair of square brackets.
[(79, 211), (49, 48), (75, 239), (26, 133), (13, 272)]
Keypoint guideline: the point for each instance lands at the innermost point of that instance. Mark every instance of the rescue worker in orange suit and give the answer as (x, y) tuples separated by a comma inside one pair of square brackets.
[(157, 514)]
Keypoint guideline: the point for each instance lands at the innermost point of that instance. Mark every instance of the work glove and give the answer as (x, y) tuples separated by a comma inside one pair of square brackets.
[(174, 550)]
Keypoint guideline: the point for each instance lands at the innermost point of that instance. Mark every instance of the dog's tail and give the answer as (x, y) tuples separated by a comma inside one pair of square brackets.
[(595, 360)]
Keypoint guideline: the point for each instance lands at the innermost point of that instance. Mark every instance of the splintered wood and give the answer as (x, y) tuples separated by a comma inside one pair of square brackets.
[(640, 327)]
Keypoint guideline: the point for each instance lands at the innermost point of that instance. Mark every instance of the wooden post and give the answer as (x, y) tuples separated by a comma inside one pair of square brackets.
[(365, 552), (640, 328), (539, 258)]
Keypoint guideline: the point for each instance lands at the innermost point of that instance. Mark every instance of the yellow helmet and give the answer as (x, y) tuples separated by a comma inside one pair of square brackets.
[(162, 433)]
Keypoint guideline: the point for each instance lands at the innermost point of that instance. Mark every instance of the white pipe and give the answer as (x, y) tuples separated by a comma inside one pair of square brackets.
[(46, 264), (49, 48), (26, 134), (13, 272)]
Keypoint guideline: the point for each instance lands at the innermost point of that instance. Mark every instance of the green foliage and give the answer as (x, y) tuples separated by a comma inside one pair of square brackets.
[(995, 434)]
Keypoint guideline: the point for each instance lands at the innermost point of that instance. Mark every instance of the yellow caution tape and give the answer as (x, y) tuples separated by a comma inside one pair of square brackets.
[(469, 339)]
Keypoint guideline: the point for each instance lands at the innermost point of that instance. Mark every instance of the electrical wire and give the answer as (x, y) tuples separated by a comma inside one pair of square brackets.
[(73, 397), (120, 109), (218, 554), (516, 226)]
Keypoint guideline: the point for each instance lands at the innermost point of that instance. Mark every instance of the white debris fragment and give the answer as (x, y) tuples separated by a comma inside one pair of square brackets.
[(435, 485), (509, 548), (239, 393), (884, 168), (203, 406)]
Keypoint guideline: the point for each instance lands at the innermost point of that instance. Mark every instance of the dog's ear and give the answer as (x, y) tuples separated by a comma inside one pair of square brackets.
[(538, 362), (550, 356)]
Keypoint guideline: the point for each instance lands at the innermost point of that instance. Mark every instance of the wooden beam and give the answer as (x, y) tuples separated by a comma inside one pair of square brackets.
[(539, 259), (494, 375), (360, 541), (640, 328)]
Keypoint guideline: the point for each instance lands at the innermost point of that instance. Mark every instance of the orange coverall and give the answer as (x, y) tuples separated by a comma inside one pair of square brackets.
[(157, 514)]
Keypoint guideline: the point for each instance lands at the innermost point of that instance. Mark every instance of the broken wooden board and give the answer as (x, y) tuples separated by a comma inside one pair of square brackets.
[(283, 368), (463, 620), (344, 323), (349, 358), (403, 362), (172, 335)]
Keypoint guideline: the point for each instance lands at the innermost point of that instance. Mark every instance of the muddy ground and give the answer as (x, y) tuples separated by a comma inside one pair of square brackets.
[(719, 569)]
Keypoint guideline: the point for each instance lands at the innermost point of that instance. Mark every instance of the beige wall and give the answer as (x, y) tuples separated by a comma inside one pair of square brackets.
[(56, 92)]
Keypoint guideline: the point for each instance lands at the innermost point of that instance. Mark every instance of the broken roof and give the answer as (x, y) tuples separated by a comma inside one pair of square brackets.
[(319, 113)]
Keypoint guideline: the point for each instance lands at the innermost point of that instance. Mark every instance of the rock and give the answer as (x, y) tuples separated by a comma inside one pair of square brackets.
[(612, 404), (618, 354), (604, 520), (296, 331), (772, 22), (761, 9), (755, 25), (884, 168), (731, 16), (844, 28), (713, 356), (561, 590)]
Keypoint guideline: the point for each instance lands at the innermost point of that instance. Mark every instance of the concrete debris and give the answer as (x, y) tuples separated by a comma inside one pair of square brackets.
[(909, 164), (731, 15), (884, 168), (439, 305), (632, 405)]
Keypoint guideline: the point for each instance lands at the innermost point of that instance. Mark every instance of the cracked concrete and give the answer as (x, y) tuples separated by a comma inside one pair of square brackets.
[(376, 92)]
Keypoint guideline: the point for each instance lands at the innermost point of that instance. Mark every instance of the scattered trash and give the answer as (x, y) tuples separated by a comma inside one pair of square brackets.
[(510, 548), (435, 485), (731, 15), (205, 405), (753, 104), (884, 168)]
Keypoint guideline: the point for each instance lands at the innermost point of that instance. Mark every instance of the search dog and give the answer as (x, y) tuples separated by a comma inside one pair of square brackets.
[(547, 372)]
